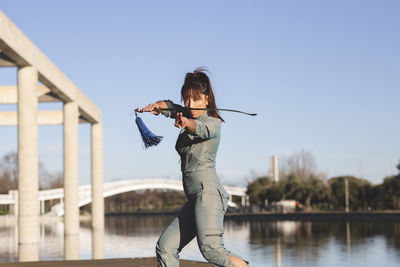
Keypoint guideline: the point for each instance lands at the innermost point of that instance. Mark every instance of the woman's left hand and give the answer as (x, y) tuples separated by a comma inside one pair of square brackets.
[(183, 122), (180, 121)]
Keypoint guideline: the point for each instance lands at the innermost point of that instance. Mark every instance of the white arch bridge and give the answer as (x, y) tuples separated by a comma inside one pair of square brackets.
[(111, 189)]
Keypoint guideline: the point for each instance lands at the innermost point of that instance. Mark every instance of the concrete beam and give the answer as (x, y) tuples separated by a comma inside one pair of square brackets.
[(9, 95), (16, 46), (45, 117), (51, 117), (85, 104), (5, 61)]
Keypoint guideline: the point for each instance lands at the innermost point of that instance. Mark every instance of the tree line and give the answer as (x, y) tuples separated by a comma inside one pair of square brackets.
[(299, 181), (9, 179), (9, 175), (142, 201)]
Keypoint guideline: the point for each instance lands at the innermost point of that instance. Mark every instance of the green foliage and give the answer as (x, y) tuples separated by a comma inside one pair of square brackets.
[(274, 192), (377, 194), (300, 182), (314, 193), (256, 188), (3, 210), (318, 194), (360, 191), (391, 189), (9, 175), (311, 192), (148, 200), (387, 195), (293, 188), (8, 172)]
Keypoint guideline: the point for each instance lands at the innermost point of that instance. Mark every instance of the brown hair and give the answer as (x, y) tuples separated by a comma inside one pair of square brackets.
[(197, 83)]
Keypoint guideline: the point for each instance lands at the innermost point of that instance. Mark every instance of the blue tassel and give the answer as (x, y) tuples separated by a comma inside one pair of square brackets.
[(149, 139)]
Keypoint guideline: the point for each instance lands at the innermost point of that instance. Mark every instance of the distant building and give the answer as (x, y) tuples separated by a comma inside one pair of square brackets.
[(274, 169)]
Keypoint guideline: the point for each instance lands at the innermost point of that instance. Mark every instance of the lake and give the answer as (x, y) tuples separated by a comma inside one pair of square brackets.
[(263, 243)]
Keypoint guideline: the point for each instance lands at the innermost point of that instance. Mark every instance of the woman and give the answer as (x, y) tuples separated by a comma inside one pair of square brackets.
[(202, 215)]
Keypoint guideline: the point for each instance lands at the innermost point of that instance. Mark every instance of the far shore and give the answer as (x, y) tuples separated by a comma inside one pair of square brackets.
[(258, 216), (144, 262), (290, 216)]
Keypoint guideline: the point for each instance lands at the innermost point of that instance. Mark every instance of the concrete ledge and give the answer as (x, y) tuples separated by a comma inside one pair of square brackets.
[(45, 117), (143, 262), (316, 216), (9, 94)]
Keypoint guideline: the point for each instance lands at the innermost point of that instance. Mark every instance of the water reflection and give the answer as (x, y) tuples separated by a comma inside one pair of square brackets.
[(264, 243), (348, 237), (28, 252), (98, 244), (324, 243), (71, 247)]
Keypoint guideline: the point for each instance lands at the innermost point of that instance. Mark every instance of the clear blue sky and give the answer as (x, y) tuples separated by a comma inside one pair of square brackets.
[(322, 75)]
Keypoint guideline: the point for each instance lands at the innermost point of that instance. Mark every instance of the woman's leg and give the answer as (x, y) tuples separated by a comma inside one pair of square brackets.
[(176, 236), (209, 216)]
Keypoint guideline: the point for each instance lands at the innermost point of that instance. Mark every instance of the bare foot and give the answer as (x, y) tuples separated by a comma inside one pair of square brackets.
[(237, 262)]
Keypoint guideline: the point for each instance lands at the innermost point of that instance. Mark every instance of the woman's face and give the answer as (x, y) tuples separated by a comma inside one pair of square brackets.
[(200, 101)]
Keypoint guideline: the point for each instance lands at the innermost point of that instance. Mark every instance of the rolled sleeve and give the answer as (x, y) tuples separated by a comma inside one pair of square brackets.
[(207, 129), (171, 113)]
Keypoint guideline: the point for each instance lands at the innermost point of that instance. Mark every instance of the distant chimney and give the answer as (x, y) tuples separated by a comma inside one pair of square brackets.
[(274, 169)]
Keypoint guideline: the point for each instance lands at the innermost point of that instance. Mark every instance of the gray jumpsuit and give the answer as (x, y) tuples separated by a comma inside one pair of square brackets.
[(203, 214)]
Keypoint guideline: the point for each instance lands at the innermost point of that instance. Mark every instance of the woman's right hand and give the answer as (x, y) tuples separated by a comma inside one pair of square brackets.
[(153, 108)]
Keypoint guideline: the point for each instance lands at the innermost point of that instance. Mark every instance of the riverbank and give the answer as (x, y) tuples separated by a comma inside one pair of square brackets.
[(42, 218), (138, 262), (290, 216), (342, 243), (265, 216), (317, 216)]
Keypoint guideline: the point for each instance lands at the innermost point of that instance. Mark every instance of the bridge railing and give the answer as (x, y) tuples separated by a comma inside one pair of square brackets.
[(114, 188), (49, 194), (7, 199)]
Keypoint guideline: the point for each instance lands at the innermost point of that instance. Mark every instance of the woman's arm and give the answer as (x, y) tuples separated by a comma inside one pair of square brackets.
[(153, 107), (201, 129), (183, 122)]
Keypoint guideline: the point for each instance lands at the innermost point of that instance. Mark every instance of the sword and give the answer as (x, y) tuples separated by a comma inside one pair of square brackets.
[(216, 109)]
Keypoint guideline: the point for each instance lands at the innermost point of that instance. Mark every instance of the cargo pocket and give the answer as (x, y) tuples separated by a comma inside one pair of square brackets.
[(211, 196), (224, 199), (211, 245)]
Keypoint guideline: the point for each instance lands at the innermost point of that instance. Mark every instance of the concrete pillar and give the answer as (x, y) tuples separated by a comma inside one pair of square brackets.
[(71, 172), (28, 164), (71, 247), (97, 192), (14, 207), (16, 238), (98, 243)]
